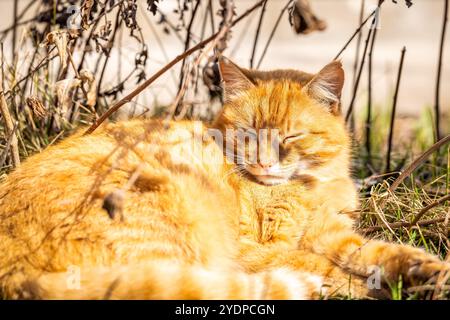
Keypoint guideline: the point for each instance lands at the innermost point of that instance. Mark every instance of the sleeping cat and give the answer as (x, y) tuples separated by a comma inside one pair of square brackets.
[(305, 221), (133, 211)]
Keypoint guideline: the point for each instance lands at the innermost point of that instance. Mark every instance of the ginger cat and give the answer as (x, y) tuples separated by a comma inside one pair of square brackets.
[(305, 220), (179, 224)]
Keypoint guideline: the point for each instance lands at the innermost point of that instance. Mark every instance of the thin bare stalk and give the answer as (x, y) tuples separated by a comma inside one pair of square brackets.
[(211, 16), (393, 112), (358, 42), (439, 73), (7, 146), (110, 46), (188, 40), (358, 78), (40, 65), (357, 31), (163, 70), (416, 163), (397, 225), (161, 45), (429, 207), (87, 46), (368, 125), (14, 30), (27, 8), (357, 53), (258, 31), (9, 125), (272, 33), (222, 34)]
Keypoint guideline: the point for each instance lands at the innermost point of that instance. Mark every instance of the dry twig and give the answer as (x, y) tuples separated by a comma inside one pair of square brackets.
[(163, 70)]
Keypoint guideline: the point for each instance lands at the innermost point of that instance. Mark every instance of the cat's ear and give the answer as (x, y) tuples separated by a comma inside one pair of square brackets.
[(326, 86), (234, 81)]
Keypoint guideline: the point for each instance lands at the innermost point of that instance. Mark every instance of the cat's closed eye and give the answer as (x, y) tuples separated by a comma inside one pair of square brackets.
[(293, 137)]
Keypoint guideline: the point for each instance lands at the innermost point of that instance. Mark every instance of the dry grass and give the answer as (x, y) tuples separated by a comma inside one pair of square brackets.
[(41, 115), (417, 212)]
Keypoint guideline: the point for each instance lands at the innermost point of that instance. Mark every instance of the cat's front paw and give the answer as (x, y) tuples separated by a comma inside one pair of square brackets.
[(423, 270), (276, 223), (417, 266), (270, 220)]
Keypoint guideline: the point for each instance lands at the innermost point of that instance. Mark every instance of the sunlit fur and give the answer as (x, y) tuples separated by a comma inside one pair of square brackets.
[(311, 140), (194, 228), (178, 237), (305, 218)]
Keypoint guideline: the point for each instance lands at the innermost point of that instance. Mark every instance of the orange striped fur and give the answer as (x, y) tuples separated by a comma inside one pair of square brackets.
[(191, 228)]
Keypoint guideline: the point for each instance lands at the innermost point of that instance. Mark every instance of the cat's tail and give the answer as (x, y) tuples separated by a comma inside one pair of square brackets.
[(164, 280)]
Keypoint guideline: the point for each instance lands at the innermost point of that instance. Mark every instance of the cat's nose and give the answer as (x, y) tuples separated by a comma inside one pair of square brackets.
[(267, 164)]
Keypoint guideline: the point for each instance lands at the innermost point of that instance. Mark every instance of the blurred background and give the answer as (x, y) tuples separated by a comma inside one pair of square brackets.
[(120, 43), (418, 28)]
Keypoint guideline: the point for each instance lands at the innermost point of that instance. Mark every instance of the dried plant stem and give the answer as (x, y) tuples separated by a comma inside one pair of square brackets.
[(163, 70), (258, 31), (397, 225), (188, 40), (7, 146), (358, 78), (358, 41), (393, 112), (14, 30), (416, 163), (211, 16), (15, 24), (161, 45), (9, 126), (357, 31), (222, 34), (368, 124), (117, 25), (87, 46), (40, 65), (357, 53), (439, 73), (272, 33), (225, 27), (429, 207)]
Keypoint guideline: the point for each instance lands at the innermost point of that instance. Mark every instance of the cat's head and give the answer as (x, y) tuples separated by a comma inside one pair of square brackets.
[(283, 124)]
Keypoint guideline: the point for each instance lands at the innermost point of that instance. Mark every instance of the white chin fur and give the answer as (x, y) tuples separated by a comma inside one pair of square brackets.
[(270, 180)]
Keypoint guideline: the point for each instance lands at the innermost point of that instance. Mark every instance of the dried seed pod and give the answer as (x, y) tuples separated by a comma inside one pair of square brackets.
[(303, 19), (113, 204), (211, 77), (60, 38), (86, 8), (36, 107), (152, 6), (64, 89), (87, 77)]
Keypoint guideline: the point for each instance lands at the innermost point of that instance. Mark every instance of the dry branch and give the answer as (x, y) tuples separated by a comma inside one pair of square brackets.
[(163, 70), (439, 73), (416, 163), (358, 78), (9, 126), (228, 8), (258, 31), (393, 112), (357, 54), (272, 33), (429, 207), (357, 31), (397, 225)]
